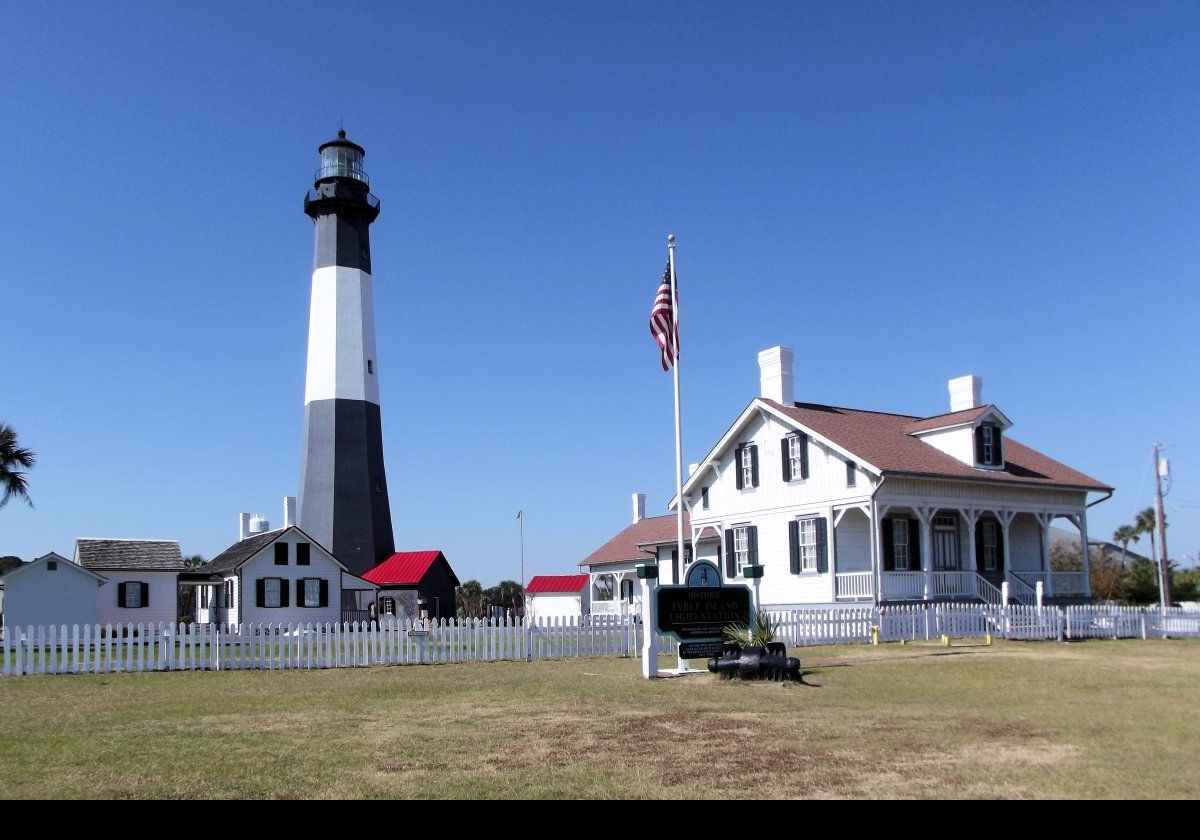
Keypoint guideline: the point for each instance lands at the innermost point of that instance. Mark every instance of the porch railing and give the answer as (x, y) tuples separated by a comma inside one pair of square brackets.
[(953, 585), (1022, 587), (611, 607), (1069, 583), (904, 585), (853, 585)]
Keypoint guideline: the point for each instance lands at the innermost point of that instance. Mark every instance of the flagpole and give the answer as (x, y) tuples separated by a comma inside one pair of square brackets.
[(678, 436)]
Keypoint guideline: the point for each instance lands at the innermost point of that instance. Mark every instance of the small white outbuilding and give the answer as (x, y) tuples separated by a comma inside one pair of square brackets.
[(558, 596), (50, 590)]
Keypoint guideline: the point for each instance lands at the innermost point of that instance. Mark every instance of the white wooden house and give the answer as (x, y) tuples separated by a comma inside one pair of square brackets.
[(142, 578), (841, 505), (558, 596), (50, 591), (278, 577)]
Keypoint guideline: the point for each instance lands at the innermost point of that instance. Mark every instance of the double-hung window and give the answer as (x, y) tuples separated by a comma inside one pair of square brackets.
[(988, 437), (281, 554), (747, 466), (851, 473), (989, 546), (704, 498), (797, 456), (900, 544), (312, 592), (133, 594), (229, 594), (272, 592), (741, 546), (808, 545)]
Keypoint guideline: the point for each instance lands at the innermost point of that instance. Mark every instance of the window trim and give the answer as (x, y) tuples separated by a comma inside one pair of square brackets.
[(304, 591), (278, 605), (797, 456), (801, 545), (742, 530), (746, 466), (897, 545)]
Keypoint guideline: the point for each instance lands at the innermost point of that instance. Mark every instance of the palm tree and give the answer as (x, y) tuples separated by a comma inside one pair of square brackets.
[(1125, 535), (13, 461), (1145, 523)]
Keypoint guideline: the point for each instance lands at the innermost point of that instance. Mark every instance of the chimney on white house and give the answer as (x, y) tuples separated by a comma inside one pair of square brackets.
[(243, 526), (289, 511), (966, 392), (775, 375), (639, 507)]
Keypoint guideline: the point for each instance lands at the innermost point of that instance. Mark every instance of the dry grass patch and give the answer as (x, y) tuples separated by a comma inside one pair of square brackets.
[(1017, 720)]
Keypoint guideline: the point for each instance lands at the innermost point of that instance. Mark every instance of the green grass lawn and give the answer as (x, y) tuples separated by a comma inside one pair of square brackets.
[(1094, 719)]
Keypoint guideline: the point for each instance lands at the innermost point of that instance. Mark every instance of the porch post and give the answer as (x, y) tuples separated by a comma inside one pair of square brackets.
[(1006, 519), (1045, 519), (972, 517), (927, 548), (1087, 560), (831, 547), (876, 514)]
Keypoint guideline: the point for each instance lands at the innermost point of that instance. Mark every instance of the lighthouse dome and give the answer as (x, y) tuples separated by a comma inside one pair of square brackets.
[(341, 158)]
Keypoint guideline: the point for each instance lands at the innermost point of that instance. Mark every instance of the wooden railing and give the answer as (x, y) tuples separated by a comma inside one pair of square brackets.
[(1069, 583), (904, 585), (855, 585)]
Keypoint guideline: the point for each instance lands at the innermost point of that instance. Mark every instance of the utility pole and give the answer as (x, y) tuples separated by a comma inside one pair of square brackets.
[(1161, 470)]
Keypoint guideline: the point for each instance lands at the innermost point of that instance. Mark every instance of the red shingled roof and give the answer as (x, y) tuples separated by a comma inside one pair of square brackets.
[(624, 546), (403, 568), (542, 584), (884, 440)]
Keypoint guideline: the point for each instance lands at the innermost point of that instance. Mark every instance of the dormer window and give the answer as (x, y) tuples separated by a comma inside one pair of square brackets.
[(988, 446)]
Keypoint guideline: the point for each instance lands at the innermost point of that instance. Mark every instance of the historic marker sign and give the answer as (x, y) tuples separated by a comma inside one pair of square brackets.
[(700, 610)]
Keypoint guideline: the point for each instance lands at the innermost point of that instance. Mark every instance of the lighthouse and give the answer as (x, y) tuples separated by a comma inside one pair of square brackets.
[(343, 488)]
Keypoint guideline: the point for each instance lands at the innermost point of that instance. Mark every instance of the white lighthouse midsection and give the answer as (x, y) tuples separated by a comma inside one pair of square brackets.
[(341, 337)]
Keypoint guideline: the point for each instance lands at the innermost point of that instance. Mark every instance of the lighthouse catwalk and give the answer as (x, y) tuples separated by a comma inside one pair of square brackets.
[(343, 489)]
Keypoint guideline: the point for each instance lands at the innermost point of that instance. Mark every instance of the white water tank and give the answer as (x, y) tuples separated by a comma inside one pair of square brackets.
[(258, 525)]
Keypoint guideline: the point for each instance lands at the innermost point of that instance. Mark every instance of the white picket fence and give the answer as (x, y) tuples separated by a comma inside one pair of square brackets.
[(191, 647), (57, 649)]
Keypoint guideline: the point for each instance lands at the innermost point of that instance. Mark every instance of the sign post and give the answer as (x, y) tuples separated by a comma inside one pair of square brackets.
[(698, 612), (649, 576)]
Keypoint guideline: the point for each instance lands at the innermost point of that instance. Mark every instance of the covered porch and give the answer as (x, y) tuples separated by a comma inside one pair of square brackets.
[(912, 551)]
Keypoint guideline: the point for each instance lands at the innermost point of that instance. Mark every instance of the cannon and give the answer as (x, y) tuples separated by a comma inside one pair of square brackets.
[(756, 663)]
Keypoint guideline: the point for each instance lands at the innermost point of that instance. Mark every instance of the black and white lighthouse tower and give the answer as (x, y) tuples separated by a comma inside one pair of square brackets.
[(343, 489)]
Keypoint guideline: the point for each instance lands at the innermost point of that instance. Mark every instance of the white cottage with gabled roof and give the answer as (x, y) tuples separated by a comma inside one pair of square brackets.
[(49, 591), (278, 577), (841, 505), (825, 505)]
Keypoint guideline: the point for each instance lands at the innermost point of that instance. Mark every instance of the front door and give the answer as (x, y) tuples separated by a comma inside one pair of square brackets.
[(945, 548)]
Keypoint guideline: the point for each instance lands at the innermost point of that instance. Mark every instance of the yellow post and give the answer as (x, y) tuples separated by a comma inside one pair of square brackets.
[(989, 639), (875, 636), (945, 640)]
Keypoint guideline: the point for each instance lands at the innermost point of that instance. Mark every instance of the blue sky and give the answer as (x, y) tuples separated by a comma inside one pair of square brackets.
[(903, 193)]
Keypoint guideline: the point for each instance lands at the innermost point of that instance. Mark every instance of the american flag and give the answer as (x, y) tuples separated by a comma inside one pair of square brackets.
[(663, 325)]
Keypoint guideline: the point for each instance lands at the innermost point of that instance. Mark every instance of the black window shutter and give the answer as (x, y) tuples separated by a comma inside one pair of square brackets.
[(302, 554), (737, 464), (261, 586), (730, 556), (914, 545), (979, 445), (787, 459), (300, 593), (997, 453), (281, 553), (675, 565), (822, 545), (753, 465), (283, 593), (752, 543), (120, 594), (324, 593), (999, 548), (889, 548), (804, 456), (794, 545), (979, 562), (145, 594)]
